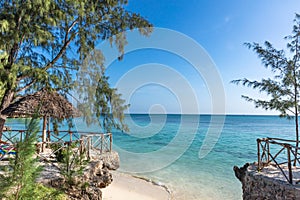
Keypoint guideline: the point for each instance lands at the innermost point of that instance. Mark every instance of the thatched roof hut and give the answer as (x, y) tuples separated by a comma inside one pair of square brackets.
[(44, 103)]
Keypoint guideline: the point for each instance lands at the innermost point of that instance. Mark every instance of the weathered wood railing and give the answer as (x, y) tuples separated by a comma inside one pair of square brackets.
[(87, 141), (272, 151), (12, 136), (98, 143)]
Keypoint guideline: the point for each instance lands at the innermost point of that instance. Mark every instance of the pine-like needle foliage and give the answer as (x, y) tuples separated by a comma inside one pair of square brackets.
[(19, 180), (98, 101), (23, 170), (43, 43), (283, 88)]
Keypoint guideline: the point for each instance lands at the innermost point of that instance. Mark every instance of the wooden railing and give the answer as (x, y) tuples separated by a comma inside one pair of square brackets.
[(98, 143), (12, 136), (281, 153), (87, 141)]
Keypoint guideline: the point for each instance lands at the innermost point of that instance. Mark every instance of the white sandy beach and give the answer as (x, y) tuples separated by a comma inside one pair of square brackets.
[(126, 187)]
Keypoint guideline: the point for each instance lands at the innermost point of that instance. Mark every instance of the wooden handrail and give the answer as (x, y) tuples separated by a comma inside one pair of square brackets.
[(101, 142), (263, 152)]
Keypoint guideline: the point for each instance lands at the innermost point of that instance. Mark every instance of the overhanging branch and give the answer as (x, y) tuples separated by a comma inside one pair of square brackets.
[(26, 86), (67, 42)]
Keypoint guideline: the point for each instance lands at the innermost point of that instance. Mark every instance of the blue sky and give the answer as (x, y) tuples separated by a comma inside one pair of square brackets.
[(221, 28)]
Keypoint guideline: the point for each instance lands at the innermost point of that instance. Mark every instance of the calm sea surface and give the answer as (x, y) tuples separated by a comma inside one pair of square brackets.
[(165, 148)]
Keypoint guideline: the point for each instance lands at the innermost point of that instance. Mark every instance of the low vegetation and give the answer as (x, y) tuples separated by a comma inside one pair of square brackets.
[(19, 180)]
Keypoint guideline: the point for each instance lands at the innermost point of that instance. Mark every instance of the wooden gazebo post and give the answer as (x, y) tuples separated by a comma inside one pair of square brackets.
[(1, 128), (44, 134)]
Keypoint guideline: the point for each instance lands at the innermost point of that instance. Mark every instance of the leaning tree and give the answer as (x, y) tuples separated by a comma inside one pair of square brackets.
[(45, 43), (283, 88)]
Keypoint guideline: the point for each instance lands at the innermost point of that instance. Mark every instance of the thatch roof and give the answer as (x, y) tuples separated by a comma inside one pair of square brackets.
[(44, 103)]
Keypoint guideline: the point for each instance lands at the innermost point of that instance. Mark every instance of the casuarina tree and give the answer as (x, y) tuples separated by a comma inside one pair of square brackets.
[(283, 88), (43, 43)]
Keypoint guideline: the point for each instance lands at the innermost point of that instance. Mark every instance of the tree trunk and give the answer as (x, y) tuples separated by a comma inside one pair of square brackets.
[(297, 139), (295, 85), (6, 101), (295, 70)]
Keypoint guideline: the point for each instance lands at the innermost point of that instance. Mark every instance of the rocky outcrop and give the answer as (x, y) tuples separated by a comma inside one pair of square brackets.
[(240, 172), (97, 174), (264, 185), (85, 186), (111, 160)]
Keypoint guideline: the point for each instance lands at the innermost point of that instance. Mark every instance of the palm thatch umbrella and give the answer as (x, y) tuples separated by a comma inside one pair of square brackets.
[(43, 103)]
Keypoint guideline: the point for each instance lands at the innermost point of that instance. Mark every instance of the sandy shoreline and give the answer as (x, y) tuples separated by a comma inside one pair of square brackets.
[(125, 186)]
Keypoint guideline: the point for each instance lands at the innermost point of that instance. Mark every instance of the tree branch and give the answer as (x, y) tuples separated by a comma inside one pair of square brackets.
[(266, 53), (64, 47), (70, 28), (26, 86), (291, 111)]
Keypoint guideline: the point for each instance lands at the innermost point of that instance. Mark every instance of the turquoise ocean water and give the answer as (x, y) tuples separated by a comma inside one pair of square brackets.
[(165, 148), (190, 177)]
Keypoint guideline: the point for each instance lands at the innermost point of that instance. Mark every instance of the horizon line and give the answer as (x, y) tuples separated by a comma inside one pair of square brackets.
[(244, 114)]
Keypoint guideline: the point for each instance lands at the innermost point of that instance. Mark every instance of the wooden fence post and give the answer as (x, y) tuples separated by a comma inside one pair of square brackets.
[(89, 146), (70, 132), (101, 144), (21, 135), (268, 148), (49, 138), (81, 148), (110, 142), (288, 147), (258, 154)]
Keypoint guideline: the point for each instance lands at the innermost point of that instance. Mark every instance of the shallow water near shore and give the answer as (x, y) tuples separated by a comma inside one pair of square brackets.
[(165, 149), (190, 177)]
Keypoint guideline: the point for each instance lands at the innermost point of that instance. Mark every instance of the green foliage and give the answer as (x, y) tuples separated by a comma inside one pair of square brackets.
[(283, 88), (19, 180), (25, 169), (44, 43), (42, 192), (96, 96), (72, 162), (58, 151), (109, 106)]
